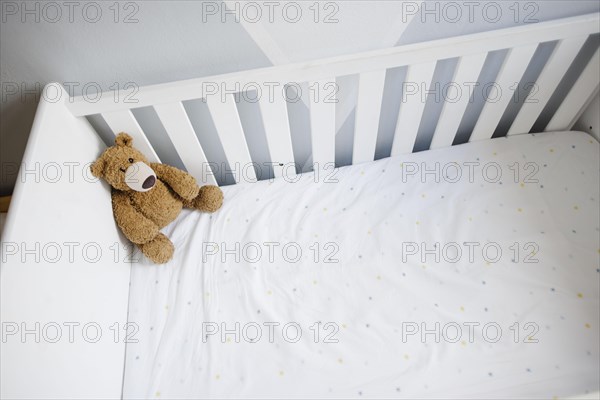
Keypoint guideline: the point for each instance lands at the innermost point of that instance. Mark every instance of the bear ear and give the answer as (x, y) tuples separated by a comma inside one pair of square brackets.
[(98, 168), (124, 139)]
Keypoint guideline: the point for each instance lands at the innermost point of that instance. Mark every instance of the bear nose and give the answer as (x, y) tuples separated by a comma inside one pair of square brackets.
[(149, 182)]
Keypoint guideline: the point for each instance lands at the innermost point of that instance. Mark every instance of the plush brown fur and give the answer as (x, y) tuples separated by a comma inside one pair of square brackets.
[(141, 215)]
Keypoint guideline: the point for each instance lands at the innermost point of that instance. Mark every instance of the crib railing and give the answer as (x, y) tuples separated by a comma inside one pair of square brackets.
[(471, 52)]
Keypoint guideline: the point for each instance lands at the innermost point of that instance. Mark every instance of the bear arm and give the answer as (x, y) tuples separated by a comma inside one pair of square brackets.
[(134, 225), (180, 181)]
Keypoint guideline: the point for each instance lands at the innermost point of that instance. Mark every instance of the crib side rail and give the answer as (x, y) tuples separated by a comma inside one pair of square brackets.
[(347, 65), (64, 277), (420, 61)]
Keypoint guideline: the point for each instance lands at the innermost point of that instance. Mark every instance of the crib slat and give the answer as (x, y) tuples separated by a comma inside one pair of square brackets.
[(179, 128), (273, 109), (366, 122), (513, 67), (229, 128), (322, 121), (124, 121), (457, 99), (418, 80), (562, 56), (579, 96)]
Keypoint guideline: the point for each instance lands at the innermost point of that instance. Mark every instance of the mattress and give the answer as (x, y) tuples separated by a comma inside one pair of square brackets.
[(470, 272)]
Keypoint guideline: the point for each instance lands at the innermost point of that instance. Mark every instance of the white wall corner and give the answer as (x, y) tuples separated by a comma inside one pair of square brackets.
[(590, 119)]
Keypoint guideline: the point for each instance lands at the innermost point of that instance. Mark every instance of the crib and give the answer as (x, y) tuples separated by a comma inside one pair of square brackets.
[(68, 274)]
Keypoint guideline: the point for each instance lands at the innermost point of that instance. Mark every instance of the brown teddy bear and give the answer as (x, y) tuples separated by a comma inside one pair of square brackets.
[(146, 197)]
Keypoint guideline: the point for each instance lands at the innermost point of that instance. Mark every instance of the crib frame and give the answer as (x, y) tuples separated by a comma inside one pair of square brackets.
[(46, 213)]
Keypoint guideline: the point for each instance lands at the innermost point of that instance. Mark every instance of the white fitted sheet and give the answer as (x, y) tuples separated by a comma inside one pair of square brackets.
[(371, 294)]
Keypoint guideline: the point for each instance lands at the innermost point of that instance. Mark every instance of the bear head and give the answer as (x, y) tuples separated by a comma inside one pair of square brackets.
[(124, 167)]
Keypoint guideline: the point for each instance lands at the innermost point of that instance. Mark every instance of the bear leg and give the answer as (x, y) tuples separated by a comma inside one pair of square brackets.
[(160, 249)]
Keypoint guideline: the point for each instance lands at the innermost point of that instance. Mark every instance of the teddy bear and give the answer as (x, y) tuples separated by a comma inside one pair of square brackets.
[(146, 197)]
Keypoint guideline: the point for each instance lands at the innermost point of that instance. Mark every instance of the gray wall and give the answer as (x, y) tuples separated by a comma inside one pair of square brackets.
[(151, 42)]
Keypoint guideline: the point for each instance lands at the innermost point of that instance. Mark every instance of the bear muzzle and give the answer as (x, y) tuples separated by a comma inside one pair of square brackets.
[(140, 177)]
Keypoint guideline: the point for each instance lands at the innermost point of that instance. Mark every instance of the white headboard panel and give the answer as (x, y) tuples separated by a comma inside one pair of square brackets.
[(420, 60)]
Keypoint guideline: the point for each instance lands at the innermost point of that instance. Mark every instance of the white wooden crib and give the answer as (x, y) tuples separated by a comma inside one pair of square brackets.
[(47, 213)]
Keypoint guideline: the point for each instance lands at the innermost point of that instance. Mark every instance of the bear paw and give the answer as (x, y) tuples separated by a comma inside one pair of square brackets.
[(160, 249), (210, 199)]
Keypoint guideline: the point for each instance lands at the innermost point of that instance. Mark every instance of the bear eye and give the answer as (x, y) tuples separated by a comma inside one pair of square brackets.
[(131, 160), (122, 169)]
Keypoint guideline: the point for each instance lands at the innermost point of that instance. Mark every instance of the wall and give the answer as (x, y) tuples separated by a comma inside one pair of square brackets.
[(590, 119), (107, 45)]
